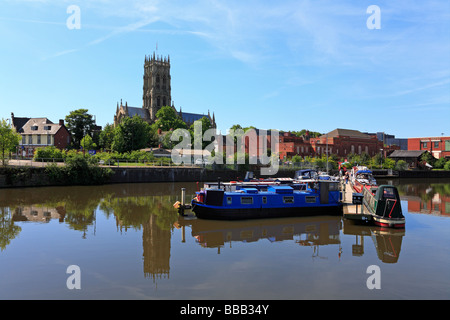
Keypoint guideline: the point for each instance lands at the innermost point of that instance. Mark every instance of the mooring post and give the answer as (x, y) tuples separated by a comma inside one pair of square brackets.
[(183, 197)]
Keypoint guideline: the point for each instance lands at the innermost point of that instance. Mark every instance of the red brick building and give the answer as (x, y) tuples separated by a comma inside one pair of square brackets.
[(291, 145), (342, 142), (439, 147)]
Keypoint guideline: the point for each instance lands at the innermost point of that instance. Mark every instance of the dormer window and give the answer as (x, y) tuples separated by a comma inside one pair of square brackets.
[(47, 127), (34, 128)]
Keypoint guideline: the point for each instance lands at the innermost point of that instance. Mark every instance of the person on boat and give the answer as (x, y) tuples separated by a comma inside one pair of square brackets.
[(346, 177)]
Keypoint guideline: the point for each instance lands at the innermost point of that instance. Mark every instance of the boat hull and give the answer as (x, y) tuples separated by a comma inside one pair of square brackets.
[(388, 222), (220, 213)]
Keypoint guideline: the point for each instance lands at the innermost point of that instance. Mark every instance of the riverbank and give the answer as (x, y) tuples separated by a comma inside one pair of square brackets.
[(28, 176)]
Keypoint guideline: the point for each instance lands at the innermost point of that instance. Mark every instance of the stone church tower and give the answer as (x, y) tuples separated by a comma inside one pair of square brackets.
[(156, 84), (156, 94)]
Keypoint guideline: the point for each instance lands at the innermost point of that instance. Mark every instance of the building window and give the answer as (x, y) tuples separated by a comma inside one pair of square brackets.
[(424, 145), (30, 139), (49, 139), (436, 144), (38, 139), (47, 127), (34, 128), (447, 145), (24, 139)]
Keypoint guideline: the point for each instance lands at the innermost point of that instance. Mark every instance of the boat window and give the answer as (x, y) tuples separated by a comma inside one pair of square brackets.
[(246, 200), (388, 193), (264, 200), (310, 199), (228, 200), (288, 199), (333, 186)]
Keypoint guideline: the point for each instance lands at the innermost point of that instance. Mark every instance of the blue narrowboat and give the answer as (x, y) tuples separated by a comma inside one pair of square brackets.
[(261, 200)]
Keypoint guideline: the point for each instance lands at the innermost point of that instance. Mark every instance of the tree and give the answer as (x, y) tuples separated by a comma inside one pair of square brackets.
[(79, 123), (131, 134), (447, 165), (87, 143), (168, 119), (9, 139), (440, 163), (206, 124), (106, 137)]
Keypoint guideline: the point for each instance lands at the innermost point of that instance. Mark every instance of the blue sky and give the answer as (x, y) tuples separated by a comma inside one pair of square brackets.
[(286, 65)]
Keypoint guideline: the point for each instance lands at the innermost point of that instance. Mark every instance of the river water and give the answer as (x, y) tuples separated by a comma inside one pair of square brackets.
[(126, 241)]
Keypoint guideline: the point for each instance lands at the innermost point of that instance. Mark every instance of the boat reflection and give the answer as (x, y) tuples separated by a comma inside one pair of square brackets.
[(306, 231), (387, 241)]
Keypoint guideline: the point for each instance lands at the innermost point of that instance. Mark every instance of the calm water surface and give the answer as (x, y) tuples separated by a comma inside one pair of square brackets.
[(130, 243)]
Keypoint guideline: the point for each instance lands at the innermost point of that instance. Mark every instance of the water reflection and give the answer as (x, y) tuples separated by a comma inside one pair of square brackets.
[(429, 198), (309, 231), (388, 242), (148, 208)]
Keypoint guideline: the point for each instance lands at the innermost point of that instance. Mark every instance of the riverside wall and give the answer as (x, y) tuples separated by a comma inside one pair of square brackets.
[(36, 177)]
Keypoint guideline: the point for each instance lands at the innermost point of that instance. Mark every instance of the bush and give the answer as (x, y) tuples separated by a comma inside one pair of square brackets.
[(447, 165), (401, 165), (440, 163), (50, 153), (79, 170)]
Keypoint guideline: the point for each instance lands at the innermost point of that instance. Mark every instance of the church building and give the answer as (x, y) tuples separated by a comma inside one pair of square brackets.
[(156, 94)]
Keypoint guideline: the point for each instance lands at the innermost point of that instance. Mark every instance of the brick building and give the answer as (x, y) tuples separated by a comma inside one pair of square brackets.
[(39, 132), (439, 147), (291, 145), (342, 142)]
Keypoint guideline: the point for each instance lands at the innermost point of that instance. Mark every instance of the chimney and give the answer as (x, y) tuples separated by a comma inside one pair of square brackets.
[(61, 122)]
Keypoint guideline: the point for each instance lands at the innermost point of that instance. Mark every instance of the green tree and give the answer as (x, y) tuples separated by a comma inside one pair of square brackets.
[(447, 165), (131, 134), (206, 124), (106, 137), (428, 158), (440, 163), (389, 163), (168, 119), (79, 123), (87, 143), (9, 140)]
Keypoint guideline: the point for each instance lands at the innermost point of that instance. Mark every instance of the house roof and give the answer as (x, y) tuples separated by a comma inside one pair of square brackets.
[(42, 125), (18, 123), (406, 153), (346, 132)]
